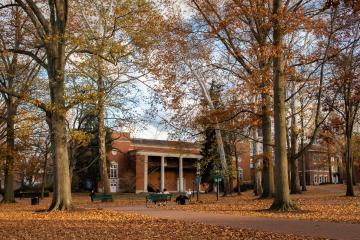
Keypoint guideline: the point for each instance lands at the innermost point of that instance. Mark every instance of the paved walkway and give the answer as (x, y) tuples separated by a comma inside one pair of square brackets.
[(329, 230)]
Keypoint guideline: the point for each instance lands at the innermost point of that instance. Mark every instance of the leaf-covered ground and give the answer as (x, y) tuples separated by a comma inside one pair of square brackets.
[(21, 221), (321, 203)]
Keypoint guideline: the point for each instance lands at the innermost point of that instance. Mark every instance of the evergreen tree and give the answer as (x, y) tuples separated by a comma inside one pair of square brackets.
[(211, 158)]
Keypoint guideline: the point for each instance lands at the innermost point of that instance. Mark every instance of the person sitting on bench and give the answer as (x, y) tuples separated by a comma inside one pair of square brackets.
[(92, 194), (182, 199), (188, 193)]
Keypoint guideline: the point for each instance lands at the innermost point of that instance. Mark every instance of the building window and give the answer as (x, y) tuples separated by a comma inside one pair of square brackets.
[(320, 179), (114, 152), (251, 164), (241, 174), (251, 149), (315, 179), (113, 170)]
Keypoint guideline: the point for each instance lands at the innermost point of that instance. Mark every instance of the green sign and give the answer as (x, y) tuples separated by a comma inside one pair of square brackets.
[(217, 178), (198, 179)]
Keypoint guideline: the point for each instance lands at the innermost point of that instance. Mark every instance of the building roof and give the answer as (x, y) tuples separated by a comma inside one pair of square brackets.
[(123, 142), (164, 143)]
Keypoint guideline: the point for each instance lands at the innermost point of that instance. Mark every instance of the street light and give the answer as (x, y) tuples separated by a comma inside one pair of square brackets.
[(198, 181)]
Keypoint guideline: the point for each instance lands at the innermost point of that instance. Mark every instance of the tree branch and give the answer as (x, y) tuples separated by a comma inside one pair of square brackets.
[(8, 5), (30, 54), (25, 98)]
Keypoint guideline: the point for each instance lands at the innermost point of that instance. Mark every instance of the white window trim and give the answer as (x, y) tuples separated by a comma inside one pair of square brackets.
[(114, 166)]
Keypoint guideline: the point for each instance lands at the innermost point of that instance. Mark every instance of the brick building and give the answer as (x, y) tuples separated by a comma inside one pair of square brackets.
[(317, 161), (142, 165)]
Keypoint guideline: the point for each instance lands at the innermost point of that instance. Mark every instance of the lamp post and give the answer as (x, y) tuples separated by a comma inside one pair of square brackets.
[(197, 181), (193, 192)]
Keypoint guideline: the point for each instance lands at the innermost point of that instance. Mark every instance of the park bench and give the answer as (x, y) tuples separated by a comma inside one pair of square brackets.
[(30, 194), (158, 198), (101, 197)]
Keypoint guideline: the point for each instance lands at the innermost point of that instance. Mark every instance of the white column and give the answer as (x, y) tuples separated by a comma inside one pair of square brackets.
[(146, 159), (181, 175), (162, 174)]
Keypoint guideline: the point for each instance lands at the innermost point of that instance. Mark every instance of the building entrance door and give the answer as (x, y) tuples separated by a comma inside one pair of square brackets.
[(113, 177), (113, 185)]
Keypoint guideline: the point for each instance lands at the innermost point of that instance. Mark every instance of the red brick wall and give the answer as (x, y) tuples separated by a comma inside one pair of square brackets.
[(154, 180), (189, 176), (139, 173), (171, 176), (171, 179), (243, 150)]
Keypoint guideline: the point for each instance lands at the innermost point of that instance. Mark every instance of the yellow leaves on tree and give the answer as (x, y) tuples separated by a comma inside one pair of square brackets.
[(80, 138)]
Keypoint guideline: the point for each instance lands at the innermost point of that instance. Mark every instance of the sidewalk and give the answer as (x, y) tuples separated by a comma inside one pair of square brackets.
[(329, 230)]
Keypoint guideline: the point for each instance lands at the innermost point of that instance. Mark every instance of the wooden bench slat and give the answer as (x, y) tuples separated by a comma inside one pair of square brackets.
[(30, 194), (101, 197), (158, 198)]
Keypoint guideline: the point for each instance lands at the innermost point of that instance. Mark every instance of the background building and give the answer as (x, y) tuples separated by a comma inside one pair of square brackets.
[(318, 161), (142, 165)]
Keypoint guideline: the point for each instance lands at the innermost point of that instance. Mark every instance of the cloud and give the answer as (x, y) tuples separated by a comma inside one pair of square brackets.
[(151, 132)]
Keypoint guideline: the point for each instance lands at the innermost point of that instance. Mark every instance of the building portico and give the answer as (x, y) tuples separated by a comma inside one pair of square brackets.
[(159, 171), (152, 165), (148, 165)]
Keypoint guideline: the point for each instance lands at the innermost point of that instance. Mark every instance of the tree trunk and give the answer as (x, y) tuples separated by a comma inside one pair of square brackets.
[(10, 152), (52, 33), (354, 174), (62, 184), (329, 162), (257, 163), (268, 165), (52, 147), (294, 180), (10, 75), (282, 196), (341, 170), (303, 159), (56, 67), (303, 167), (102, 131), (349, 163), (221, 151), (71, 152), (254, 160), (43, 182), (259, 189), (238, 183)]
